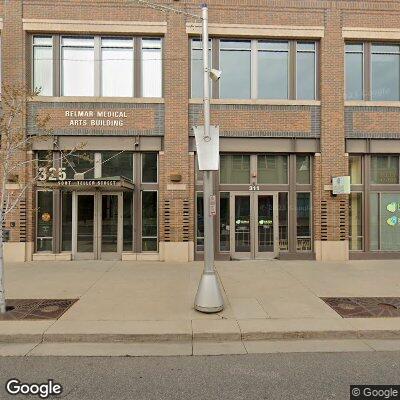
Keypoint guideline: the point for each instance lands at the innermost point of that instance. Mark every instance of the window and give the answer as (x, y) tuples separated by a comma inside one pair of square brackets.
[(235, 62), (303, 170), (149, 221), (385, 170), (197, 68), (372, 71), (151, 68), (283, 221), (356, 221), (355, 167), (279, 69), (234, 169), (43, 65), (224, 221), (354, 65), (97, 66), (114, 163), (385, 67), (384, 221), (303, 221), (149, 167), (44, 233), (79, 162), (128, 221), (77, 60), (200, 222), (272, 169), (273, 70), (66, 215), (117, 67), (305, 71)]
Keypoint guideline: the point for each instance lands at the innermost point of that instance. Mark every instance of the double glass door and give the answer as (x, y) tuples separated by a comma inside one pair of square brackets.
[(254, 219), (97, 226)]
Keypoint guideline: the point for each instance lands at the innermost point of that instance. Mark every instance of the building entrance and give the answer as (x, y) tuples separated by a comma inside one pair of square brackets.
[(97, 225), (254, 219)]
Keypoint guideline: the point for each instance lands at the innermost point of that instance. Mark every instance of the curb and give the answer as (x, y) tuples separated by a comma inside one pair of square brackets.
[(204, 337)]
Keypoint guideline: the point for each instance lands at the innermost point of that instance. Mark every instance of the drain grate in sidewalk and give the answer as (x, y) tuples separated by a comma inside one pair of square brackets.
[(31, 309), (364, 307)]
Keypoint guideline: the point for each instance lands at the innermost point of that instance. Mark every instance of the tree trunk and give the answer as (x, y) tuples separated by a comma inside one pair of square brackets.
[(2, 290)]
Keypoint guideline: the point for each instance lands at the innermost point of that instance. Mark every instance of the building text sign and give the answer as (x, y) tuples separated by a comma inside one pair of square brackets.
[(98, 119)]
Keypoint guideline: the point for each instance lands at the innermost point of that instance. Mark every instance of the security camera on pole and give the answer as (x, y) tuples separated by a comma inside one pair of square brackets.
[(209, 297)]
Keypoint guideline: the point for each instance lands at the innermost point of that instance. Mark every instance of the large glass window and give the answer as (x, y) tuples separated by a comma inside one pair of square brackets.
[(117, 67), (128, 221), (305, 71), (283, 212), (235, 62), (224, 221), (149, 221), (43, 65), (303, 209), (149, 167), (197, 67), (303, 170), (354, 66), (151, 68), (273, 70), (384, 170), (44, 235), (385, 67), (356, 221), (66, 215), (79, 162), (114, 163), (385, 221), (200, 222), (234, 169), (355, 167), (77, 58), (272, 169)]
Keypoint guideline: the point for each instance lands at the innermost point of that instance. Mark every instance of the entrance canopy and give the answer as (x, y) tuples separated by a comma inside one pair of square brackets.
[(113, 183)]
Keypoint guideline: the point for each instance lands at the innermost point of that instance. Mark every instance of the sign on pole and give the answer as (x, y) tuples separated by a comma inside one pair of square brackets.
[(341, 185), (207, 148)]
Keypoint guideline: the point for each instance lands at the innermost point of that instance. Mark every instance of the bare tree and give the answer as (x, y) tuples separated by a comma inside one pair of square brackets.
[(17, 165)]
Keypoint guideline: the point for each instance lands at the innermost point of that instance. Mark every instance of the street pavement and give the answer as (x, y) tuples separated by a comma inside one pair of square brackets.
[(152, 302), (307, 376)]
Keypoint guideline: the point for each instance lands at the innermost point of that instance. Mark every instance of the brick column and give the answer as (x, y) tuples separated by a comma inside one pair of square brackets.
[(176, 201), (13, 75), (331, 241)]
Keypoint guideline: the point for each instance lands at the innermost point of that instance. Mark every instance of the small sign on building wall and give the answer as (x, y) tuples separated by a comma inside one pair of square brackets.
[(341, 185)]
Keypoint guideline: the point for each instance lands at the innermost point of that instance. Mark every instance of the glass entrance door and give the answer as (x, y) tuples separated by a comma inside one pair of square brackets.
[(267, 229), (84, 228), (254, 218), (97, 226)]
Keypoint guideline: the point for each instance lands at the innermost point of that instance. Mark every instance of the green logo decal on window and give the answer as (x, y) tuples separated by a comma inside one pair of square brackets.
[(392, 221), (392, 207)]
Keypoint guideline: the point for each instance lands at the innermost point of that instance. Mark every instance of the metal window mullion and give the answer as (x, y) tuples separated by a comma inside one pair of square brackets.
[(56, 66), (292, 70), (367, 71), (254, 69), (97, 66), (137, 69), (215, 63)]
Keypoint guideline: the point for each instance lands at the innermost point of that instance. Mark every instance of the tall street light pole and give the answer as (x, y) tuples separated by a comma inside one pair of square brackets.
[(209, 297)]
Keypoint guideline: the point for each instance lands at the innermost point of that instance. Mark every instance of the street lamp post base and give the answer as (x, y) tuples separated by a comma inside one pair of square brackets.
[(209, 297)]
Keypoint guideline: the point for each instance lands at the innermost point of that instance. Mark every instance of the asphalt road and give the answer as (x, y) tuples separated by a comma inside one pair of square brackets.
[(297, 376)]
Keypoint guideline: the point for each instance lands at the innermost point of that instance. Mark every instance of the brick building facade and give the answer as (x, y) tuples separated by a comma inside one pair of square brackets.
[(310, 90)]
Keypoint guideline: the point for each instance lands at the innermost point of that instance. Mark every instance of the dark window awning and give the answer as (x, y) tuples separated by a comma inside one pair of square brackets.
[(113, 183)]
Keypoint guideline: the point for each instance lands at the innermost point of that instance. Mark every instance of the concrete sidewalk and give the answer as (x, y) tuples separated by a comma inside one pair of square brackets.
[(128, 303)]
